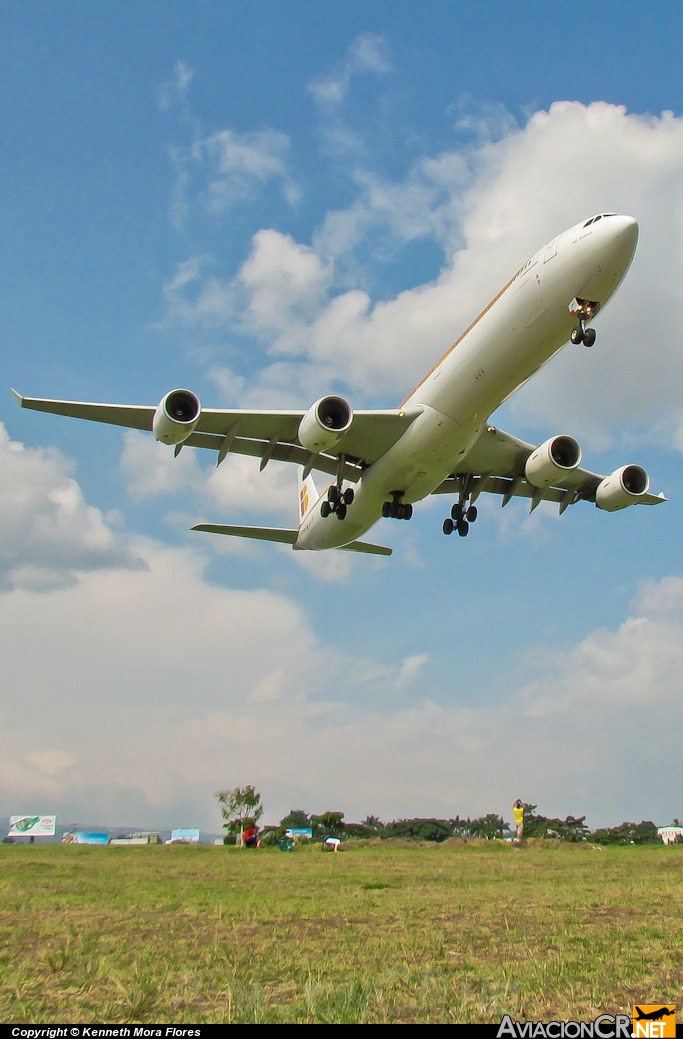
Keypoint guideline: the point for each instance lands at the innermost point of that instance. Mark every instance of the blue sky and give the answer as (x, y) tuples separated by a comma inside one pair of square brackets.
[(264, 202)]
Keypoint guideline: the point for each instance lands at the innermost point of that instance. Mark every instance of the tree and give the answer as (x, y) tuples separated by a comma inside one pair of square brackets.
[(239, 807), (488, 826), (570, 829), (330, 823), (644, 832)]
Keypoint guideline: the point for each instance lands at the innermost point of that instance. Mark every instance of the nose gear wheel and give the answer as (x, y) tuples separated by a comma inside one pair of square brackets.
[(584, 309)]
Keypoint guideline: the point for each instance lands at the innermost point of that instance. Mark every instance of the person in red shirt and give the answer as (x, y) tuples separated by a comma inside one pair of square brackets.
[(250, 837)]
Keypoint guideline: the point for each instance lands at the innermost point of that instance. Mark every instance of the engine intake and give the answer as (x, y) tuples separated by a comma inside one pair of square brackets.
[(552, 461), (176, 417), (325, 423), (623, 487)]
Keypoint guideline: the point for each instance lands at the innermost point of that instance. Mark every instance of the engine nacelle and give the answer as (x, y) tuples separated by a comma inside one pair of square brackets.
[(176, 417), (622, 488), (552, 461), (325, 423)]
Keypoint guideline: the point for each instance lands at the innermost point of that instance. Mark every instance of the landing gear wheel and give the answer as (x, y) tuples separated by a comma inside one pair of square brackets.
[(471, 514), (577, 336), (387, 509), (333, 494), (589, 337), (341, 511), (407, 511), (448, 526), (456, 513), (463, 528), (325, 509), (400, 511), (348, 496)]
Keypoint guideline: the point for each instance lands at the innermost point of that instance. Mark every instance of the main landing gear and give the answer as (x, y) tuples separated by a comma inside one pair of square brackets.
[(460, 518), (397, 509), (584, 309), (337, 502)]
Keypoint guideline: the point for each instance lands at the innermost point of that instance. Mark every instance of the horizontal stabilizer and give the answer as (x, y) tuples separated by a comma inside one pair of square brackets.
[(281, 534), (363, 546), (284, 536)]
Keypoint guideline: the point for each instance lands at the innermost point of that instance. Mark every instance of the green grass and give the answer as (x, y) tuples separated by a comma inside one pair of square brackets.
[(383, 933)]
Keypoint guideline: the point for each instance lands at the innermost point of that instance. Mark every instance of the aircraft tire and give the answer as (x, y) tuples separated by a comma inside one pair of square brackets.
[(341, 511), (463, 528), (471, 514), (577, 335), (456, 512), (589, 337), (386, 509), (325, 509), (448, 526), (407, 511), (348, 496)]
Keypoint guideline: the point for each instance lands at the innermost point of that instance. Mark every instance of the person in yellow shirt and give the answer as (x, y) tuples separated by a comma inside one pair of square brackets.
[(518, 815)]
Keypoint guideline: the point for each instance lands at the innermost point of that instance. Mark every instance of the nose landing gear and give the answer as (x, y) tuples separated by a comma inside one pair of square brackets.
[(584, 309), (397, 509)]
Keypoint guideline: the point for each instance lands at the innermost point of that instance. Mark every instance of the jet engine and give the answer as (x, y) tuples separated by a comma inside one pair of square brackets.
[(552, 461), (176, 417), (325, 423), (622, 488)]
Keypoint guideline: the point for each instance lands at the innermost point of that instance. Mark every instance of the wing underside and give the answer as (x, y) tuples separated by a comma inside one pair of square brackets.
[(267, 435), (495, 465)]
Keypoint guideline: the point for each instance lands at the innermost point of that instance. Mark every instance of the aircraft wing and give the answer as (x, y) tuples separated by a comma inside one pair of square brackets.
[(495, 464), (263, 434)]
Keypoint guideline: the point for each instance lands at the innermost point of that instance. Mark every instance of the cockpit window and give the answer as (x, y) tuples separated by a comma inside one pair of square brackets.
[(589, 221), (597, 218), (605, 215)]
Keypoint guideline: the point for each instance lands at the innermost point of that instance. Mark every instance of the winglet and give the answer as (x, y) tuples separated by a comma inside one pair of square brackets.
[(18, 397)]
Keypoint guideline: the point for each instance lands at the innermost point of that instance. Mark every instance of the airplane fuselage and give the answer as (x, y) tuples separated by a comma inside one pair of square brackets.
[(519, 331)]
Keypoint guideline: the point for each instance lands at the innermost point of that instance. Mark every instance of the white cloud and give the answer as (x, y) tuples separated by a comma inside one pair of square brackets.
[(491, 207), (367, 53), (410, 669), (234, 489), (236, 164), (154, 688), (47, 531), (124, 687)]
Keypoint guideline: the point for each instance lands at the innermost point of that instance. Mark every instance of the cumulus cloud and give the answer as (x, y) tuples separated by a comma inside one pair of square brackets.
[(234, 489), (47, 530), (154, 688), (490, 206)]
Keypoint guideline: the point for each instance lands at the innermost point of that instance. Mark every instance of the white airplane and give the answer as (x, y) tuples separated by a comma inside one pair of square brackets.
[(439, 441)]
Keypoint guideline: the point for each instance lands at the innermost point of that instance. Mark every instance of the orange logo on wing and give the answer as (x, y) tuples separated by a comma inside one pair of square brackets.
[(304, 501)]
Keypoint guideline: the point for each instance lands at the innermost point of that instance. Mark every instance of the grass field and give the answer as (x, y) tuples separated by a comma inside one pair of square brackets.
[(379, 933)]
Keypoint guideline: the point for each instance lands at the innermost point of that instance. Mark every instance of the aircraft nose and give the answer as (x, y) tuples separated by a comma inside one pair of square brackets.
[(625, 231)]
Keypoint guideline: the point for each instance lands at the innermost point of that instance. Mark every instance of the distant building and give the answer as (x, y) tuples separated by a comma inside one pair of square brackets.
[(670, 834)]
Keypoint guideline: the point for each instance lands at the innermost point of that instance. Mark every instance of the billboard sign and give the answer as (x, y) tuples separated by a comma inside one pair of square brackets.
[(32, 825), (184, 837), (299, 831), (91, 838)]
